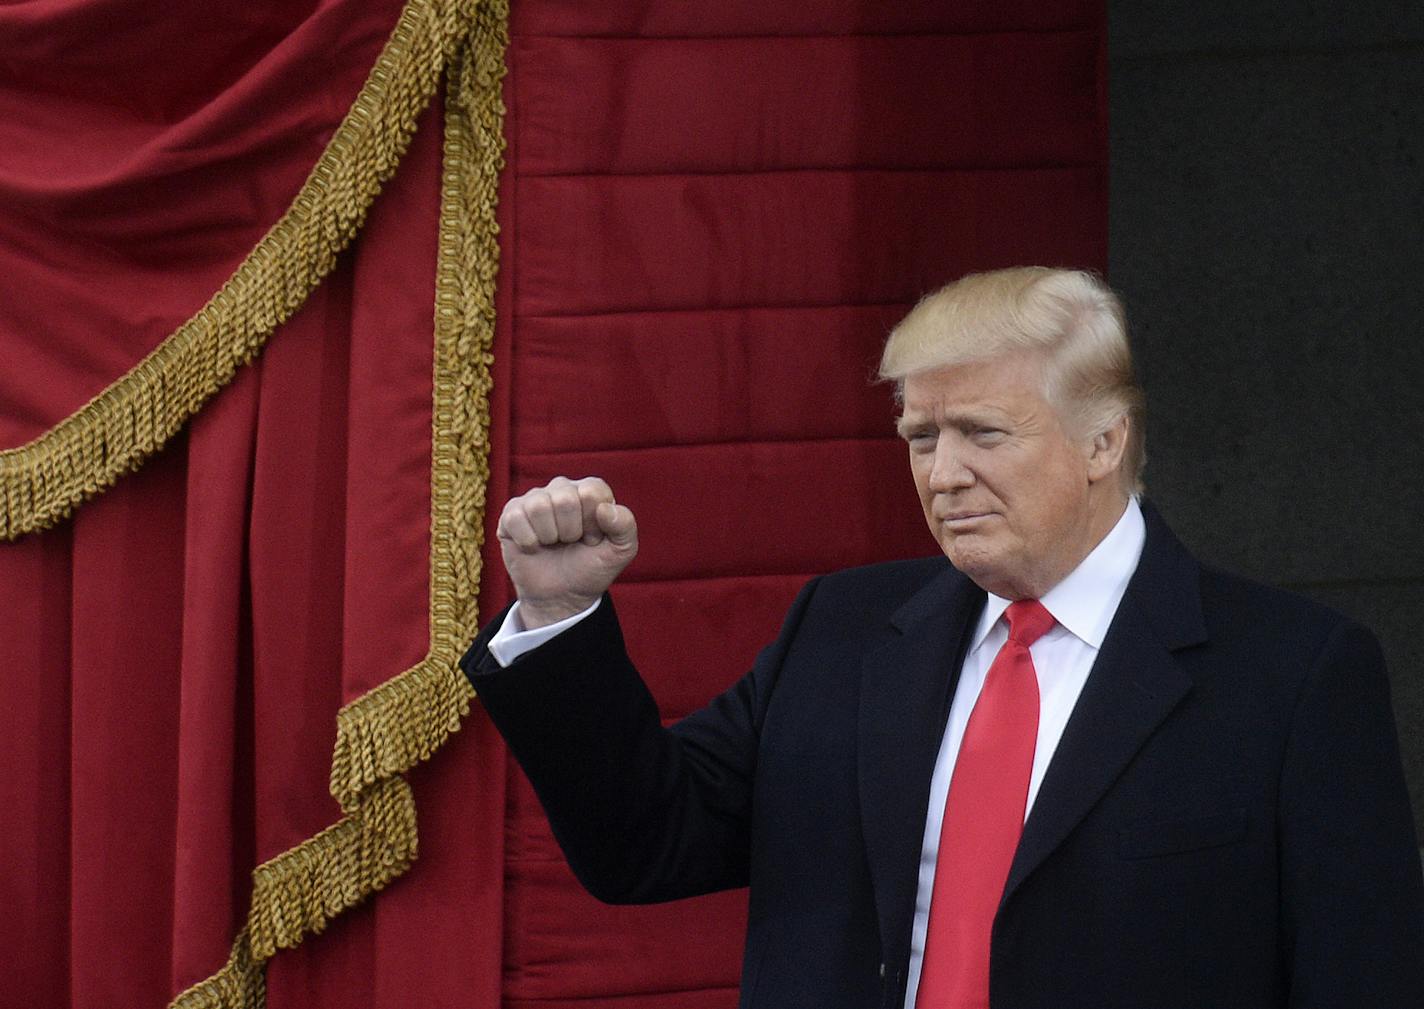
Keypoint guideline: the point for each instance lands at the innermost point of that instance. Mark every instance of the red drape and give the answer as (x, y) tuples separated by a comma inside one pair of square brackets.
[(173, 658), (709, 218)]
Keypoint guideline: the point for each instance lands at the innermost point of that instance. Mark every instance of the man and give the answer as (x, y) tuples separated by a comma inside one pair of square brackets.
[(1061, 766)]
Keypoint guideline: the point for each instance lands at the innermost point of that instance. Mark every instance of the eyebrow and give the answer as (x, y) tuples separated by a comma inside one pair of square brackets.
[(904, 426), (963, 422)]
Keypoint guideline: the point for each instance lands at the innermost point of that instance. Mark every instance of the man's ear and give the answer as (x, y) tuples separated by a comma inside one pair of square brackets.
[(1107, 448)]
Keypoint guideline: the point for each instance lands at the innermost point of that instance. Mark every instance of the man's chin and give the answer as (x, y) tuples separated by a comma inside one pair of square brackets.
[(970, 554), (984, 566)]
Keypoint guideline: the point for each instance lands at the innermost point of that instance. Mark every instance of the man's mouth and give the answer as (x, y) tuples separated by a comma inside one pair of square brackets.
[(964, 518)]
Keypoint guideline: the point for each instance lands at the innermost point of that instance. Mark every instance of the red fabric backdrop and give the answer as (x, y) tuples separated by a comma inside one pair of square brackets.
[(710, 217)]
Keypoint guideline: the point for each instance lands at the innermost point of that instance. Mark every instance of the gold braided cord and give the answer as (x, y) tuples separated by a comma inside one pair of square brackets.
[(403, 721), (44, 480)]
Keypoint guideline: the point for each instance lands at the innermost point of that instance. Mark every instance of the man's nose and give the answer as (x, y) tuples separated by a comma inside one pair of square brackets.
[(949, 472)]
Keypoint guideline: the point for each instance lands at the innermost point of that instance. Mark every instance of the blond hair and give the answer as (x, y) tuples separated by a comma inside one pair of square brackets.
[(1070, 316)]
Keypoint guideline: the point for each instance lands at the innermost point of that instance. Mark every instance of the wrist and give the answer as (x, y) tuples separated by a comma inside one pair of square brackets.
[(541, 613)]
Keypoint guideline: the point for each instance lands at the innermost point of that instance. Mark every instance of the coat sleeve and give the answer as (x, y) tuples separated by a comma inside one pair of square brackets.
[(643, 813), (1352, 895)]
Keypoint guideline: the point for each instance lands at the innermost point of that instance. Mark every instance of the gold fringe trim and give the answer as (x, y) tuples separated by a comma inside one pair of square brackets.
[(240, 984), (395, 726), (392, 727), (44, 480), (299, 891), (403, 721)]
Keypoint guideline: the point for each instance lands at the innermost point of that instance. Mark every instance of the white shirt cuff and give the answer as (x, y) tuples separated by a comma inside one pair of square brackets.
[(512, 640)]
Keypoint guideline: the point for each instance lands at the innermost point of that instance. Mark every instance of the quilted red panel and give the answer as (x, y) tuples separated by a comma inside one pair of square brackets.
[(713, 214)]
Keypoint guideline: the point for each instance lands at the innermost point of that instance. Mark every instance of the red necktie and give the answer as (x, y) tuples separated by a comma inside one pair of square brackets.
[(983, 819)]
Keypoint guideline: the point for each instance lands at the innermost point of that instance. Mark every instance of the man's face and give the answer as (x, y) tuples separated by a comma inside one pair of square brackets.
[(1005, 489)]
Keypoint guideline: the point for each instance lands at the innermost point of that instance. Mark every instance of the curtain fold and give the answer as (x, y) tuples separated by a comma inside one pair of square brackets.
[(213, 818)]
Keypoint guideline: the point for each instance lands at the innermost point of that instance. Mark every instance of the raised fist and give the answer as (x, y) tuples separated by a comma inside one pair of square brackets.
[(563, 545)]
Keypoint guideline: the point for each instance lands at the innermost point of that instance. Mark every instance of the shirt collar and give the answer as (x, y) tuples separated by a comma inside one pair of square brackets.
[(1084, 603)]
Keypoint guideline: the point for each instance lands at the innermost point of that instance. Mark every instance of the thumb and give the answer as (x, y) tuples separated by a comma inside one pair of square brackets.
[(618, 525)]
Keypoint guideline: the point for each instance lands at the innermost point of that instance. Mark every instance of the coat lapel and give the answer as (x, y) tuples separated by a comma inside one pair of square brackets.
[(906, 684), (1135, 683)]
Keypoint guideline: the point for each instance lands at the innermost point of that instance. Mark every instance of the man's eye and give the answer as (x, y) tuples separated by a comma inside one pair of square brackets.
[(922, 441), (987, 435)]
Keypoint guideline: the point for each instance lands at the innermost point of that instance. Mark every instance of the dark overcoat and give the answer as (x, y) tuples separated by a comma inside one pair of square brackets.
[(1224, 824)]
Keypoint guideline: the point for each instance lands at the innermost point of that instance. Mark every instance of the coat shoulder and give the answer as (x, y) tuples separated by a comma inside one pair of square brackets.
[(876, 591), (1272, 620), (1225, 592)]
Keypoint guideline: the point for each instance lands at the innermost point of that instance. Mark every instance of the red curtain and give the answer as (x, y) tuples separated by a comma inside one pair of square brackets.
[(174, 657), (709, 218)]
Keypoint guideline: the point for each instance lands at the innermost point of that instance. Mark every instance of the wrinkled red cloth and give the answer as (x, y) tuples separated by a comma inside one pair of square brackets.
[(144, 149)]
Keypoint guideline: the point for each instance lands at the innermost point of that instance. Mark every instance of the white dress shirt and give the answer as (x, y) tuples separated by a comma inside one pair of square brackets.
[(1083, 605), (512, 640)]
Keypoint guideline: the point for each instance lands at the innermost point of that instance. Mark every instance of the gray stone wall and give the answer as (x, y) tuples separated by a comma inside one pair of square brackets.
[(1267, 233)]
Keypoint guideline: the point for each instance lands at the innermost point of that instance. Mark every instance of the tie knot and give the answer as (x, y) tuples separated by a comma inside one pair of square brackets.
[(1028, 621)]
